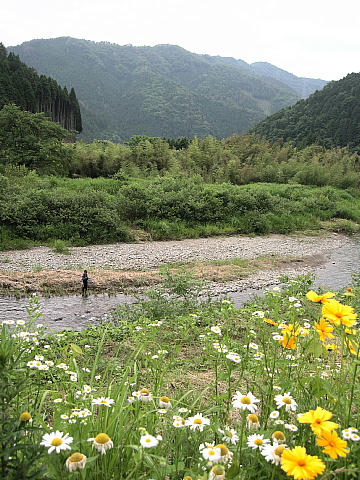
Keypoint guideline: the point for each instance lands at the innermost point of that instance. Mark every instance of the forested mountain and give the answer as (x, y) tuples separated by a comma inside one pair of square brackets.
[(303, 86), (21, 85), (161, 91), (330, 117)]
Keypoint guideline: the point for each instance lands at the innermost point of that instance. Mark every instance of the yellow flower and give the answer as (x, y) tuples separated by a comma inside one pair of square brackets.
[(325, 298), (324, 329), (338, 313), (354, 347), (271, 322), (334, 445), (351, 331), (319, 420), (331, 346), (25, 417), (288, 342), (300, 465)]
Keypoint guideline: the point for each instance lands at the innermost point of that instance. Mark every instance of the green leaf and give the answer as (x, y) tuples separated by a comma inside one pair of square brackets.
[(75, 349)]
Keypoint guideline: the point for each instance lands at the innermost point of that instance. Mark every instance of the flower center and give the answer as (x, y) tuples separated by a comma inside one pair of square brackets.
[(287, 400), (253, 418), (25, 417), (165, 399), (259, 441), (148, 440), (279, 435), (279, 450), (318, 421), (223, 448), (197, 421), (76, 457), (102, 438), (145, 391), (56, 442), (104, 401), (246, 400), (218, 470), (301, 463)]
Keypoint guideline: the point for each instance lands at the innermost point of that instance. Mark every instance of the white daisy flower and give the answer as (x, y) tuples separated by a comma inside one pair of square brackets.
[(101, 442), (230, 435), (211, 453), (287, 401), (43, 367), (39, 357), (346, 434), (179, 422), (64, 417), (20, 322), (355, 437), (216, 329), (58, 400), (273, 453), (217, 473), (197, 422), (131, 399), (183, 410), (106, 401), (56, 441), (245, 402), (87, 389), (291, 427), (234, 357), (162, 411), (149, 441), (253, 421), (253, 345), (63, 366), (275, 414), (145, 395), (257, 441), (278, 338), (76, 461), (164, 402)]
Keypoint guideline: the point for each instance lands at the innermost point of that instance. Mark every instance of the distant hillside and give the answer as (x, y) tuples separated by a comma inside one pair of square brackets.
[(21, 85), (330, 117), (157, 91), (303, 86)]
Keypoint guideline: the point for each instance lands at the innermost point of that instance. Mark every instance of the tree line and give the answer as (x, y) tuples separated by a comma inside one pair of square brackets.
[(21, 85)]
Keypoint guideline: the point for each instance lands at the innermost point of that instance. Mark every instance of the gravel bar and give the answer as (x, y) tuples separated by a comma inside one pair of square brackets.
[(148, 255)]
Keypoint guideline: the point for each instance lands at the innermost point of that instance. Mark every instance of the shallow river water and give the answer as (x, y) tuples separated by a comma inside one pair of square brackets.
[(75, 311)]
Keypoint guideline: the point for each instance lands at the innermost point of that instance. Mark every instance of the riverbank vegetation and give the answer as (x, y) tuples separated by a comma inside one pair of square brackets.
[(186, 389), (90, 211), (151, 188)]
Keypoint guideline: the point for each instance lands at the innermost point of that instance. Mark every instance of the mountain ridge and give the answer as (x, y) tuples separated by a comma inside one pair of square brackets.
[(158, 91)]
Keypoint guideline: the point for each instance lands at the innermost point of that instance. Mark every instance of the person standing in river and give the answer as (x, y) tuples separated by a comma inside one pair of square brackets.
[(85, 280)]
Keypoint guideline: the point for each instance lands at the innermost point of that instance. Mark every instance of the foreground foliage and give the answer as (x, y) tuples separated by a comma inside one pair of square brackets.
[(188, 389)]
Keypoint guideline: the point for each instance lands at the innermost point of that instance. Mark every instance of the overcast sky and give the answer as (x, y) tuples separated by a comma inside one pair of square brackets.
[(310, 38)]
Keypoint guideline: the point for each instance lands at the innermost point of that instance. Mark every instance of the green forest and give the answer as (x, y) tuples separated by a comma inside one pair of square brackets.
[(21, 85), (163, 91), (330, 117)]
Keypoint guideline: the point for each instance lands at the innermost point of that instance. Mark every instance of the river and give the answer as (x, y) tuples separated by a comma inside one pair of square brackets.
[(77, 312)]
